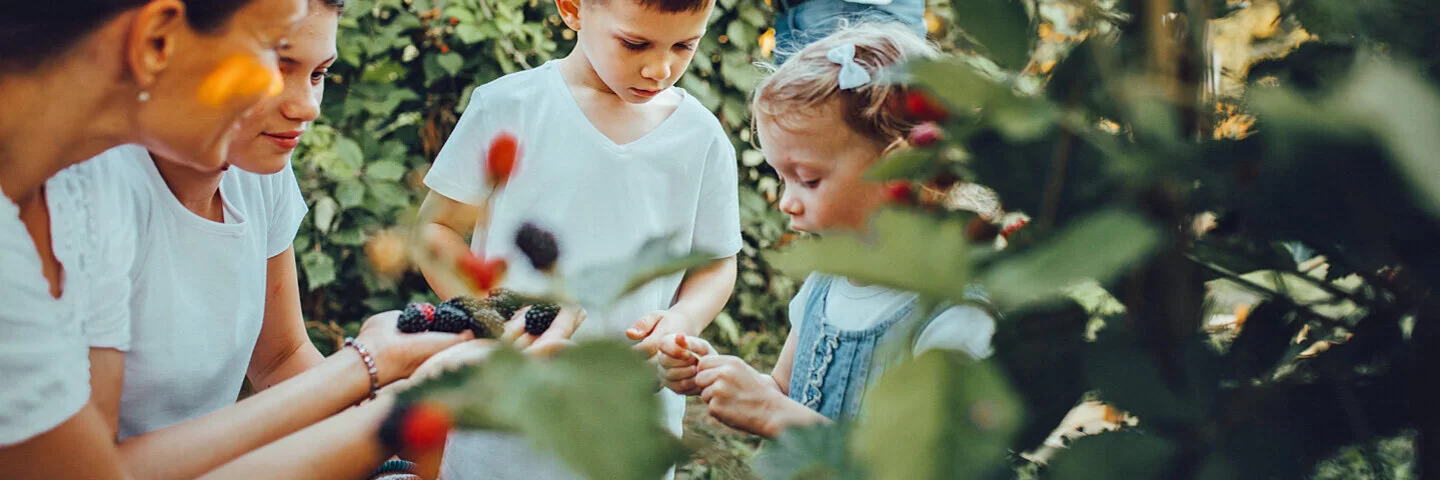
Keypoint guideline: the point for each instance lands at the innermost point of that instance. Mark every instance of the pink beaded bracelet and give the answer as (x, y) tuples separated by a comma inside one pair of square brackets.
[(369, 365)]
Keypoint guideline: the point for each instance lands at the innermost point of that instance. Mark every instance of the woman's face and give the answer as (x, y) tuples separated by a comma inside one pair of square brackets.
[(210, 81), (268, 135)]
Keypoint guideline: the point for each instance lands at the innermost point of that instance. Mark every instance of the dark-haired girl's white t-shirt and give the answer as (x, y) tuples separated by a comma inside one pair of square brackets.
[(45, 341)]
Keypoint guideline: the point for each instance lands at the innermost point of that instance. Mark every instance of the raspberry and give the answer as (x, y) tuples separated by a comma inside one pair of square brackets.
[(500, 159), (450, 318), (416, 317), (538, 245), (926, 134), (505, 302), (539, 317)]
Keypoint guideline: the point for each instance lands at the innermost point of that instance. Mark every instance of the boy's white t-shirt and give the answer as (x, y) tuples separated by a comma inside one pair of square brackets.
[(198, 298), (965, 328), (44, 350), (602, 201)]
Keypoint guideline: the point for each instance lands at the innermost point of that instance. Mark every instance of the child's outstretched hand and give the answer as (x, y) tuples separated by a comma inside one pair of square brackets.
[(679, 361), (652, 329)]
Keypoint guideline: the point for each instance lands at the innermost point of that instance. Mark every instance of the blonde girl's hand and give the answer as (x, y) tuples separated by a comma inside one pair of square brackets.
[(739, 396)]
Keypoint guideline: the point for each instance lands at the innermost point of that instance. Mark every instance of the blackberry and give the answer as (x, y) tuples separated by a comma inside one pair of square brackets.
[(416, 317), (505, 302), (538, 245), (487, 323), (539, 317), (451, 318)]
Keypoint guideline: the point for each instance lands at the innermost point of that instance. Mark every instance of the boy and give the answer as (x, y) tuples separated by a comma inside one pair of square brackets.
[(611, 156)]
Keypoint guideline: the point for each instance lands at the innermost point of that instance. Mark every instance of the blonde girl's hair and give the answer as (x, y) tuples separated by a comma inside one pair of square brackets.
[(809, 79)]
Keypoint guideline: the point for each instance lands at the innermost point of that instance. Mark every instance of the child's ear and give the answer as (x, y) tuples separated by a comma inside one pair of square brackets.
[(569, 12)]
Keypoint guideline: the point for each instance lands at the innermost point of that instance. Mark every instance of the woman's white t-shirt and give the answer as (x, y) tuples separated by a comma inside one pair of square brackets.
[(198, 299), (44, 350)]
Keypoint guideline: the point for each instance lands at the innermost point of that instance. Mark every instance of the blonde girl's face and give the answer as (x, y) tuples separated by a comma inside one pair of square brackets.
[(266, 138), (822, 164)]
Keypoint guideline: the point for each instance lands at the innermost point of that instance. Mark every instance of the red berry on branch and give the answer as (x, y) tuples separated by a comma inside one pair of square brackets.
[(454, 21), (444, 49), (900, 192), (425, 426), (1011, 228), (920, 106), (926, 134), (500, 159)]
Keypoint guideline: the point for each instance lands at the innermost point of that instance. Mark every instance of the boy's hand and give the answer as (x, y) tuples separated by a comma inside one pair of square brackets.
[(652, 329), (740, 396), (565, 324), (679, 361)]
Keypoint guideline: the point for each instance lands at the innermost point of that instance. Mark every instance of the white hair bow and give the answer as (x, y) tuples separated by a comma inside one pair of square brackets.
[(852, 75)]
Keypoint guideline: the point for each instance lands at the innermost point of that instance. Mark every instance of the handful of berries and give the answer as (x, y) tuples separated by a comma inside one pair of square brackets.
[(485, 317)]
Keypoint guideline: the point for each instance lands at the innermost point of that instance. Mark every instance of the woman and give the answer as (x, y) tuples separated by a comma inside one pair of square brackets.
[(78, 78)]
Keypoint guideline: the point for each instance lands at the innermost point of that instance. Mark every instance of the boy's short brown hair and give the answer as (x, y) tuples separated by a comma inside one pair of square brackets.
[(665, 6)]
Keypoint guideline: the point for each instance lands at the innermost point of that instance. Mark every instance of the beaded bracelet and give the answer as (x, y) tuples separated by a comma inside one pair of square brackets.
[(369, 365)]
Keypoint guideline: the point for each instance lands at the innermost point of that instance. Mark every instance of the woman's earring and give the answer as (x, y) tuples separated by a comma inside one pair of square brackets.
[(144, 96)]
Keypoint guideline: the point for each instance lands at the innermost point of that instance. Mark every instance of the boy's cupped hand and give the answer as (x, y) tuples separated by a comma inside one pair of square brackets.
[(652, 329)]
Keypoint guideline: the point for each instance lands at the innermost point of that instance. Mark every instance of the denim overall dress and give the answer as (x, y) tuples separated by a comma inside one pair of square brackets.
[(833, 367)]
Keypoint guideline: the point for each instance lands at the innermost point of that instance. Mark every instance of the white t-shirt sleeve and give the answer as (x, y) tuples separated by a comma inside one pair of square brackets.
[(44, 363), (966, 328), (456, 173), (286, 213), (717, 218), (796, 312)]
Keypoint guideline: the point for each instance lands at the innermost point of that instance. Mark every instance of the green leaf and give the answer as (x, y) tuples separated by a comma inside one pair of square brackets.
[(1113, 455), (319, 269), (961, 85), (600, 412), (385, 170), (349, 153), (1403, 110), (815, 451), (1001, 26), (907, 164), (600, 286), (325, 210), (956, 417), (451, 62), (911, 251), (350, 193), (1096, 247)]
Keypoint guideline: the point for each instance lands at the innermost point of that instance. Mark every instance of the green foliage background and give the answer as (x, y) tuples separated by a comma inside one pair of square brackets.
[(405, 73)]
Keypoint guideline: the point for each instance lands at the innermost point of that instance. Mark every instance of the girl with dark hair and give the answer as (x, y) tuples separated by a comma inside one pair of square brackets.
[(76, 79)]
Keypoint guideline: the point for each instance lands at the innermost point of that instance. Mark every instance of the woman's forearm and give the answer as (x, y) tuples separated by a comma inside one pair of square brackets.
[(345, 446), (171, 453)]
